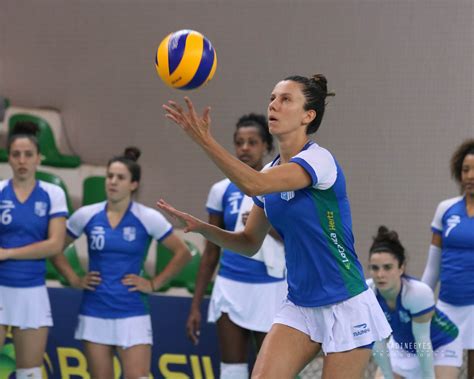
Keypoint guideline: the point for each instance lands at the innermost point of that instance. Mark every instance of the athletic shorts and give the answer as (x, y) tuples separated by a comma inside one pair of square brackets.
[(349, 324), (121, 332), (249, 305), (25, 307), (463, 317)]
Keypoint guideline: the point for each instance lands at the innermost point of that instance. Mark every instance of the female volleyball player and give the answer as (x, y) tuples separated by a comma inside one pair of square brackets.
[(424, 339), (114, 315), (302, 193), (451, 253), (248, 291), (32, 227)]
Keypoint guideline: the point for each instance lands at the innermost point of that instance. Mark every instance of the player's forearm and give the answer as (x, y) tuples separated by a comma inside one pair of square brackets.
[(37, 250), (381, 357), (61, 264), (250, 181), (181, 257), (239, 242)]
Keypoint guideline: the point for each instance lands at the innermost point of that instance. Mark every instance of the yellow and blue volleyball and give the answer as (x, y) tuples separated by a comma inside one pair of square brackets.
[(185, 60)]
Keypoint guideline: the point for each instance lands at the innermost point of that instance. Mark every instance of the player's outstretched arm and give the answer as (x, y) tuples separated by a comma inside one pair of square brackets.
[(287, 177), (246, 242)]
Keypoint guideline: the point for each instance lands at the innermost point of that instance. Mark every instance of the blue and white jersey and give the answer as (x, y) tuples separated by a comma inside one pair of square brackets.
[(316, 226), (225, 199), (25, 223), (415, 299), (456, 229), (116, 252)]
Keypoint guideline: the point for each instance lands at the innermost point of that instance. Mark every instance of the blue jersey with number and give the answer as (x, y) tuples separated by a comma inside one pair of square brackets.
[(25, 223), (225, 199), (316, 226), (415, 299), (115, 253), (456, 228)]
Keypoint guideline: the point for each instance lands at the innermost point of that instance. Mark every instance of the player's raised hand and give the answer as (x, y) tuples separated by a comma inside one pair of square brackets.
[(196, 126)]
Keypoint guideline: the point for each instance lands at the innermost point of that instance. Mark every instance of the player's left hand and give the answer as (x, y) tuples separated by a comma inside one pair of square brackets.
[(137, 283), (188, 222)]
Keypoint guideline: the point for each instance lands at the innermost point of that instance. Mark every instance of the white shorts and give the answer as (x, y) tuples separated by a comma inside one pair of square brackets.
[(122, 332), (343, 326), (249, 305), (407, 364), (25, 308), (463, 317)]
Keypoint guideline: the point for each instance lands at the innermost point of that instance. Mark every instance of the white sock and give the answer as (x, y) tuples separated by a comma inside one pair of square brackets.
[(28, 373), (234, 371)]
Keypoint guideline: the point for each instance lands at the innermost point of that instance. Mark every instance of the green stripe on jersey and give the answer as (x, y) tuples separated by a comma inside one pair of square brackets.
[(326, 205)]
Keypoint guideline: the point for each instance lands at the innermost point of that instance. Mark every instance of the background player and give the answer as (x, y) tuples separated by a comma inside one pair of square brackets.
[(32, 227), (114, 314), (451, 253), (418, 327), (245, 296)]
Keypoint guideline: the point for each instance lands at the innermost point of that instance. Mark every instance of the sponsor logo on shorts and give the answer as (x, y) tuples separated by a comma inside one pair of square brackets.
[(287, 196), (358, 330), (449, 353)]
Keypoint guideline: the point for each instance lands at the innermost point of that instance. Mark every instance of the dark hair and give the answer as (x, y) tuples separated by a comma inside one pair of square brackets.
[(387, 241), (129, 158), (467, 147), (315, 91), (24, 129), (258, 121)]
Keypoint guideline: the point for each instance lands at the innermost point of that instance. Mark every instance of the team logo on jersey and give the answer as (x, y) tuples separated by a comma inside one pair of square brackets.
[(98, 230), (287, 196), (41, 208), (404, 316), (7, 204), (129, 233), (452, 222)]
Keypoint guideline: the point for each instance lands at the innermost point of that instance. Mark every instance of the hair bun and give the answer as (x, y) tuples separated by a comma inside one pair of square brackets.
[(321, 80), (25, 127), (384, 234), (132, 153)]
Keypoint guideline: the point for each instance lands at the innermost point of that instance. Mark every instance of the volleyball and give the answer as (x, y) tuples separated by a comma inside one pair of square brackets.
[(185, 60)]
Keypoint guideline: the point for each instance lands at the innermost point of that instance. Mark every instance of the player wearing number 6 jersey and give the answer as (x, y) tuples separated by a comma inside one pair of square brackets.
[(32, 227), (114, 313)]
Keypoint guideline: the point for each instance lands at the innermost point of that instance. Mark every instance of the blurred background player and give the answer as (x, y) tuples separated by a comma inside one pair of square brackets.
[(248, 291), (451, 253), (302, 194), (32, 227), (424, 339), (114, 314)]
